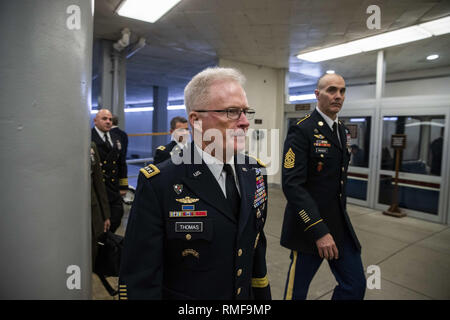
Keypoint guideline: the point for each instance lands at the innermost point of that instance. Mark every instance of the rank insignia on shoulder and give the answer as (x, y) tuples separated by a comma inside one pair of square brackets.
[(150, 171), (162, 148), (289, 159), (187, 200)]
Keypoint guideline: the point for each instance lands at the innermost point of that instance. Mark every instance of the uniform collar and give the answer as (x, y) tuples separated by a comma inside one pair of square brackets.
[(102, 134), (327, 119), (214, 164)]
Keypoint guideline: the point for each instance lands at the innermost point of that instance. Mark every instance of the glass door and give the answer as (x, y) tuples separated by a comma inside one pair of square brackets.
[(360, 126), (421, 184)]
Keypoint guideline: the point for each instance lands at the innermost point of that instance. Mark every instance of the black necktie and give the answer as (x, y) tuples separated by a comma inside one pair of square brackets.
[(107, 141), (232, 192), (335, 131)]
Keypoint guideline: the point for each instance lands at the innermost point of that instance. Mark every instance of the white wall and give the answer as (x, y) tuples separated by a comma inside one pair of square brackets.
[(265, 90)]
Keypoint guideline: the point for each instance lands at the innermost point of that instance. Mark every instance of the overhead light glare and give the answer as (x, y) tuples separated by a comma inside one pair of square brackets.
[(145, 10), (437, 27), (432, 57), (393, 38), (330, 71), (176, 107), (334, 52), (380, 41), (302, 97), (357, 119)]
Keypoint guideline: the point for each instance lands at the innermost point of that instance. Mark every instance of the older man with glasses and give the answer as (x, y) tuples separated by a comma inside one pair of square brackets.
[(196, 228)]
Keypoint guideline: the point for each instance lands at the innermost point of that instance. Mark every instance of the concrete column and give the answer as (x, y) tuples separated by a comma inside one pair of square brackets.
[(113, 79), (45, 94), (106, 74), (119, 86), (160, 100)]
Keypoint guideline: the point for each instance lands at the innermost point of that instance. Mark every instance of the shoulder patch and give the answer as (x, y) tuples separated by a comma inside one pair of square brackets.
[(162, 148), (150, 171), (306, 117)]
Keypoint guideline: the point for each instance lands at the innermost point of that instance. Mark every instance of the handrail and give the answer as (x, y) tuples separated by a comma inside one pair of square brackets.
[(148, 134)]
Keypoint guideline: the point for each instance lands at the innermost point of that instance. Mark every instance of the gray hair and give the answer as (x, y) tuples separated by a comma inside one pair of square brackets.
[(196, 93)]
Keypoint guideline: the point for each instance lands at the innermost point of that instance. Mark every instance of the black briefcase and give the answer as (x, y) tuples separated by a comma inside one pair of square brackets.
[(107, 263)]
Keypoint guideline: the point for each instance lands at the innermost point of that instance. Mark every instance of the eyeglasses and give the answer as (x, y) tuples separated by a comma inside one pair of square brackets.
[(234, 113)]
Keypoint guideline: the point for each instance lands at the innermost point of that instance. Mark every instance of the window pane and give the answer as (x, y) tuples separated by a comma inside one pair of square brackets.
[(408, 194), (424, 142), (359, 128)]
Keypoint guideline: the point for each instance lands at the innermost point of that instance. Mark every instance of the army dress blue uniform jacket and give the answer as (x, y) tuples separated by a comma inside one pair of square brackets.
[(183, 242), (314, 178), (163, 153)]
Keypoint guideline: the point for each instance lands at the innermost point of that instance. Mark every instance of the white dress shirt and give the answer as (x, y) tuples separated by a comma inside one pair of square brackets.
[(329, 121), (102, 135), (217, 169)]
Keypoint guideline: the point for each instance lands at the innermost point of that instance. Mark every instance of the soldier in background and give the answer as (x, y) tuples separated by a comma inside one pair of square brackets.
[(316, 224), (179, 133), (112, 161)]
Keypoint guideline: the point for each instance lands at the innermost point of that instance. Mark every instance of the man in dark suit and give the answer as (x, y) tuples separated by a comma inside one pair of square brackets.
[(179, 133), (314, 176), (114, 167), (121, 134), (195, 230)]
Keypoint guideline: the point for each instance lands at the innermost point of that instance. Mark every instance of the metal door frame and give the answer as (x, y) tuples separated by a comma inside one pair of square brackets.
[(363, 109)]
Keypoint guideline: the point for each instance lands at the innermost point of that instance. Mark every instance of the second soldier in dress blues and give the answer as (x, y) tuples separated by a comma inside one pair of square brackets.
[(195, 230), (316, 225)]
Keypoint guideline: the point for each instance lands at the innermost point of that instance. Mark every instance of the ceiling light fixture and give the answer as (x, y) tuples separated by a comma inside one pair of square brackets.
[(330, 71), (432, 57), (145, 10), (380, 41), (437, 27)]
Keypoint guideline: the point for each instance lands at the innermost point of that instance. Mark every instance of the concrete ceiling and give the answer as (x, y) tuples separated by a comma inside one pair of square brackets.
[(196, 33)]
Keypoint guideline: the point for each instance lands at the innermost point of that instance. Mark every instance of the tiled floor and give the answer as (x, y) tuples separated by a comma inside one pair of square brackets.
[(413, 256)]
